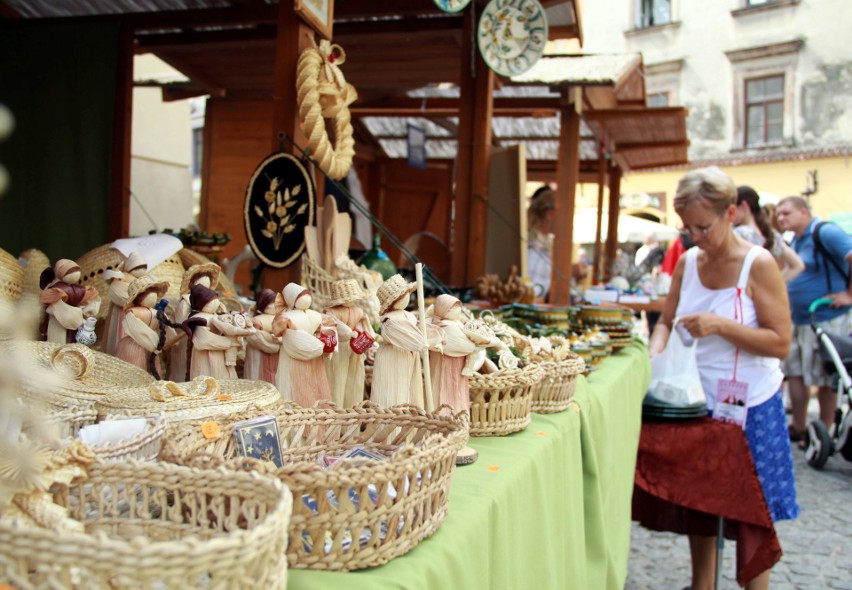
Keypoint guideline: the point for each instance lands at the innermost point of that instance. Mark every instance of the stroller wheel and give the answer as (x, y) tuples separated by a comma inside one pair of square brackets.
[(844, 440), (818, 447)]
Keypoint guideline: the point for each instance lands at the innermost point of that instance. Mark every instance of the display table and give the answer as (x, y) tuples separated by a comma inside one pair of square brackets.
[(689, 472), (548, 507)]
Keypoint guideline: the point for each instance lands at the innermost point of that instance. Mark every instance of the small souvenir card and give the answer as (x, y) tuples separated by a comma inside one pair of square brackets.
[(731, 402), (258, 439)]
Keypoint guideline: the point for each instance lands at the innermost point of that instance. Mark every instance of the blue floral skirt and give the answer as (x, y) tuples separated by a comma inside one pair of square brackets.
[(769, 442)]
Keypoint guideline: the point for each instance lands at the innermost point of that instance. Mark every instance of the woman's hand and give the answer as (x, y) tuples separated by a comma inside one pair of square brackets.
[(702, 324)]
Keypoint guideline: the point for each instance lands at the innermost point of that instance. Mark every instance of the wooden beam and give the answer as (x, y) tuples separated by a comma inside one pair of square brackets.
[(471, 174), (358, 29), (612, 220), (209, 39), (617, 114), (650, 145), (450, 107), (119, 203), (563, 32), (567, 173), (178, 19), (352, 9), (213, 87), (596, 264)]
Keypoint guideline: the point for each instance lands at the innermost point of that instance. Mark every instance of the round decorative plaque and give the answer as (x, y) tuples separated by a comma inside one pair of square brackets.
[(279, 204), (451, 5), (511, 35)]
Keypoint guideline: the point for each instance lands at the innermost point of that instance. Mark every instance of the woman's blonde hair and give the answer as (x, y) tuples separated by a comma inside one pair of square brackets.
[(708, 186), (542, 201)]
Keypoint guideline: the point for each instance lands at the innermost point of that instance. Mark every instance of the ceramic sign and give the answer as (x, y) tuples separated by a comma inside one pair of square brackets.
[(451, 5), (511, 35), (279, 204)]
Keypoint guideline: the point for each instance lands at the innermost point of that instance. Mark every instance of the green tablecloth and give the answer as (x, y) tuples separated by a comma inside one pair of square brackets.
[(548, 507)]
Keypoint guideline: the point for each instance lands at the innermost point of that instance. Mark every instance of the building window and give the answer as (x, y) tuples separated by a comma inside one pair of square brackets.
[(197, 149), (658, 99), (653, 12), (756, 2), (764, 103)]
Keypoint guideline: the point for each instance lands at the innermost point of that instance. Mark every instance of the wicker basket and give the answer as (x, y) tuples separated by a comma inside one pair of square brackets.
[(555, 389), (67, 422), (500, 403), (154, 525), (319, 282), (142, 447), (353, 515)]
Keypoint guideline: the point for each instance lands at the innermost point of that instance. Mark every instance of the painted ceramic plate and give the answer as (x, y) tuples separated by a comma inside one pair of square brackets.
[(511, 35), (279, 204), (451, 5)]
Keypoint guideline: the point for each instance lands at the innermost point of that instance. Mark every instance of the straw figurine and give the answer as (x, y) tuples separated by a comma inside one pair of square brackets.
[(235, 326), (263, 346), (355, 335), (397, 372), (119, 279), (67, 303), (208, 344), (139, 342), (305, 336), (206, 275)]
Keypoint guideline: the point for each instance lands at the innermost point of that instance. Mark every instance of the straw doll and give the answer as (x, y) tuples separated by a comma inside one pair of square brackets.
[(206, 275), (263, 346), (301, 375), (397, 373), (140, 328), (449, 379), (355, 336), (67, 303), (235, 326), (208, 346), (119, 279)]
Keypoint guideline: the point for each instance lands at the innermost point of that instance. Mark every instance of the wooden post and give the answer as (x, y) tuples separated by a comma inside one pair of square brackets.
[(119, 203), (293, 36), (612, 234), (597, 275), (567, 173), (474, 141)]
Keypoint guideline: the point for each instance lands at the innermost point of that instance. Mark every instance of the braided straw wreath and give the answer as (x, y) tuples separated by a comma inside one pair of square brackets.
[(322, 92)]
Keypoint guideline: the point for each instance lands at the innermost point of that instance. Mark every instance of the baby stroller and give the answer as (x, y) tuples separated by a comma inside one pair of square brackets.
[(836, 353)]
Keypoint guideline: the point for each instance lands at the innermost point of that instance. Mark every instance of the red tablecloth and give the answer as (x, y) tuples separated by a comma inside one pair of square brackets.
[(688, 473)]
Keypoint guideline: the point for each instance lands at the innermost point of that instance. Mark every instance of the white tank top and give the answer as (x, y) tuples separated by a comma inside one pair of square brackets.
[(715, 354)]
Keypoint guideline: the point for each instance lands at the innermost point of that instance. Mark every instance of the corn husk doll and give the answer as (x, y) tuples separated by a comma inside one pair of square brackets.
[(67, 303), (397, 372), (207, 275), (355, 335), (119, 279), (140, 329), (263, 346), (209, 346), (301, 373)]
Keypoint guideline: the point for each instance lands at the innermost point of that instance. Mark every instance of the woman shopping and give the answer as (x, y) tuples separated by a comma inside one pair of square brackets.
[(729, 295)]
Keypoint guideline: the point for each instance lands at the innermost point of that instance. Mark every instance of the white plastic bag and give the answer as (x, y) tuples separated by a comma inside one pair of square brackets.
[(674, 374)]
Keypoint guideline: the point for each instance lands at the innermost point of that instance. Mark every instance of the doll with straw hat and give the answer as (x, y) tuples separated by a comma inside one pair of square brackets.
[(355, 335), (140, 328), (207, 275), (119, 279), (397, 372)]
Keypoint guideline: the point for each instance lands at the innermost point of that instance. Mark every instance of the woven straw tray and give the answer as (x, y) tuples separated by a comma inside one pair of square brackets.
[(500, 403), (161, 526), (355, 514)]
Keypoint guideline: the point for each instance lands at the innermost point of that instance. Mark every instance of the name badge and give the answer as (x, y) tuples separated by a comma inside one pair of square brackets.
[(731, 402)]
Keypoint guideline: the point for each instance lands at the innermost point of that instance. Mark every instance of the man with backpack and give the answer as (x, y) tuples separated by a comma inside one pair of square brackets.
[(826, 251)]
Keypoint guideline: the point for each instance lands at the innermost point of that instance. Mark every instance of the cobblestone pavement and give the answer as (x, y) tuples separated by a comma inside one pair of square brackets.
[(817, 546)]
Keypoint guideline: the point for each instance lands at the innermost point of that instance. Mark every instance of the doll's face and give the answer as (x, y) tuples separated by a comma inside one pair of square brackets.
[(402, 302), (73, 277), (211, 307), (303, 302), (454, 313), (203, 280), (270, 309), (149, 299)]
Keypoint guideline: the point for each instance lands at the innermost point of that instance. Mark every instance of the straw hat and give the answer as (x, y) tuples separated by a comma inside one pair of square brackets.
[(11, 276), (143, 284), (391, 290), (209, 268), (346, 292)]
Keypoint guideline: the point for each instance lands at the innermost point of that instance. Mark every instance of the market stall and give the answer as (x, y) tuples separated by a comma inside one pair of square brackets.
[(548, 507)]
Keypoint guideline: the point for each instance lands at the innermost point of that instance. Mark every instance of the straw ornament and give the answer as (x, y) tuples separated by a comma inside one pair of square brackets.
[(142, 285), (322, 92), (391, 291), (346, 292)]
